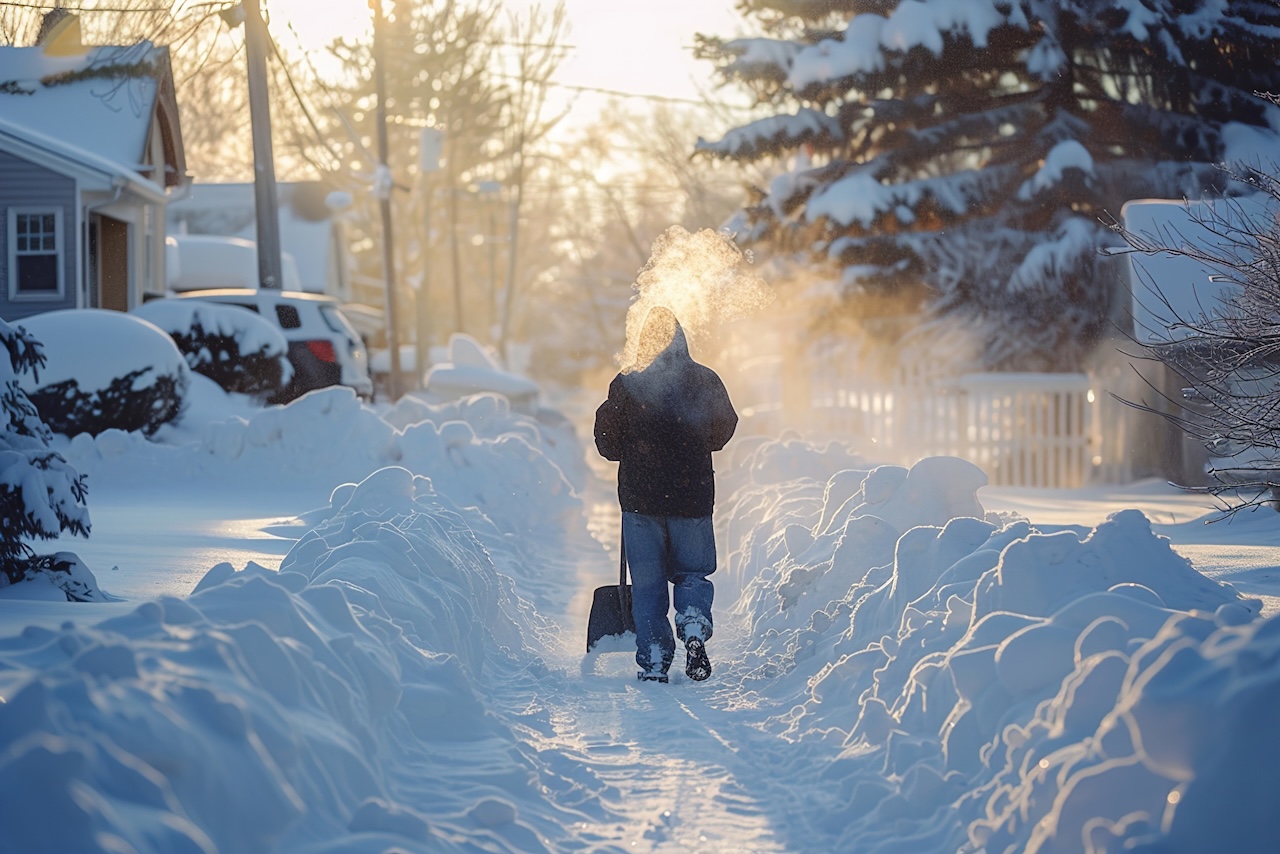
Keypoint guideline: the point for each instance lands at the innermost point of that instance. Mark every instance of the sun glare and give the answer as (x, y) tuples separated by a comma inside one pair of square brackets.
[(317, 23), (655, 57)]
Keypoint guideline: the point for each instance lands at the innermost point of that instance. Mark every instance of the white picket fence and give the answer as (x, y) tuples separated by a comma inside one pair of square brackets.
[(1037, 430)]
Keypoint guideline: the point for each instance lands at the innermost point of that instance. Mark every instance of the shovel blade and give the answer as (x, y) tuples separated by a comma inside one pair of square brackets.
[(610, 614)]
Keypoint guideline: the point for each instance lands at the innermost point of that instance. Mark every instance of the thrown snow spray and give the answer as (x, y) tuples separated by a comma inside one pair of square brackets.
[(701, 278)]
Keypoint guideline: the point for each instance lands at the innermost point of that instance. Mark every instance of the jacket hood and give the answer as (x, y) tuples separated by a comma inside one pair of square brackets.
[(660, 337)]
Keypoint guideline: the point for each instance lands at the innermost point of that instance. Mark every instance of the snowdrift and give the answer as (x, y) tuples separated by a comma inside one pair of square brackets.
[(964, 682), (338, 704), (919, 675), (503, 462)]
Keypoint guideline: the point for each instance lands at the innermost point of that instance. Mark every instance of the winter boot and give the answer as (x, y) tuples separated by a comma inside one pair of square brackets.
[(696, 664), (652, 676)]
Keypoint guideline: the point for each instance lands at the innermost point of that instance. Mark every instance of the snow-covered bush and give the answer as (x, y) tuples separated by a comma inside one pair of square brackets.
[(231, 345), (105, 370), (40, 494)]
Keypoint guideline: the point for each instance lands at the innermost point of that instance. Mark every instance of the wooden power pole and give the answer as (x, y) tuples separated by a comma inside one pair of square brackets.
[(265, 204), (383, 185)]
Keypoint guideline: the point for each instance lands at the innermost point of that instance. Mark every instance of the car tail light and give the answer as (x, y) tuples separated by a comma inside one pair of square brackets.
[(322, 350)]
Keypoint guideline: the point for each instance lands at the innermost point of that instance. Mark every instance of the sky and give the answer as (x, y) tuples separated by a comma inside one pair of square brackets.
[(637, 48)]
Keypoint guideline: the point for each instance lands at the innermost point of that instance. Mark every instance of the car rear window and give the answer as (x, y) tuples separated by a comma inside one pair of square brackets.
[(335, 320), (288, 316)]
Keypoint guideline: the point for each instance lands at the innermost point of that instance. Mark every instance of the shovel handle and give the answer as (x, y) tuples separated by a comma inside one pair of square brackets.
[(622, 549), (624, 592)]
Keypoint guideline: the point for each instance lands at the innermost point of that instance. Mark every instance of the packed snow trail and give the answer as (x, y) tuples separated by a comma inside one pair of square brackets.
[(674, 769)]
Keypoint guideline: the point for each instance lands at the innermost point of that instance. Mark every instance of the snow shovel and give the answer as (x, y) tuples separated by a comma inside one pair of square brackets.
[(611, 607)]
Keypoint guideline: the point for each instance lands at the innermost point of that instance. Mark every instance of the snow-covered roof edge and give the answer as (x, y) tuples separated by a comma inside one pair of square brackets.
[(36, 142)]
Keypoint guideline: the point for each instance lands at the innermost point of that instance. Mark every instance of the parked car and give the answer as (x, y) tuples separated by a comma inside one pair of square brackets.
[(324, 348)]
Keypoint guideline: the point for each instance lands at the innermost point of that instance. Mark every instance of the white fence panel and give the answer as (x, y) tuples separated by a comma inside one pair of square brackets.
[(1033, 430)]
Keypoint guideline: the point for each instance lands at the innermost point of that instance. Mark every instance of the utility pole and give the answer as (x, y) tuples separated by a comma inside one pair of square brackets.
[(382, 187), (430, 143), (455, 259), (513, 246), (270, 270)]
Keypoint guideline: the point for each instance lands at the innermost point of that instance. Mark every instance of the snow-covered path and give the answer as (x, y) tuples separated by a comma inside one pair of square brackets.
[(641, 768), (673, 769), (678, 776), (415, 673)]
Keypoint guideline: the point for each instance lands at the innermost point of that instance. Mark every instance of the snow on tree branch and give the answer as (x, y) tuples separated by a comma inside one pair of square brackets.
[(41, 496), (965, 145)]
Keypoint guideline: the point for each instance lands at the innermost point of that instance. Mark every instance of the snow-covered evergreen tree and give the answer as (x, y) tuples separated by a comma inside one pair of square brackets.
[(41, 495), (959, 154)]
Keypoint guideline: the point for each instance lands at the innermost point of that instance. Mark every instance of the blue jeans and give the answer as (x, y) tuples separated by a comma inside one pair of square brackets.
[(664, 550)]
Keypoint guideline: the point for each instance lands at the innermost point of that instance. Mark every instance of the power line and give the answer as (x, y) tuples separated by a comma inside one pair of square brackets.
[(315, 72), (306, 111), (618, 93), (51, 6), (598, 90)]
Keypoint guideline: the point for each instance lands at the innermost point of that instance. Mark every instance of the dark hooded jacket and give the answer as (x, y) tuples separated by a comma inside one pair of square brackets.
[(661, 424)]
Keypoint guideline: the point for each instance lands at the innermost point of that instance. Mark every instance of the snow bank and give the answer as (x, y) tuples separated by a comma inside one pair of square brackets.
[(476, 450), (962, 681), (471, 369), (335, 700)]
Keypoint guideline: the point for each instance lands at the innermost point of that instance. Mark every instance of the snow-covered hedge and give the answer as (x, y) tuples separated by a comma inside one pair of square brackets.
[(965, 682), (229, 344), (105, 370)]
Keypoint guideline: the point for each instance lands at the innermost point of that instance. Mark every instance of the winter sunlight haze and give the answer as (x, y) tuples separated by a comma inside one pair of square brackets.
[(625, 48), (728, 426)]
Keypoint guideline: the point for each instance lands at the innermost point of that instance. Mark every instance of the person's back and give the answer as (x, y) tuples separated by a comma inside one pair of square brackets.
[(661, 422)]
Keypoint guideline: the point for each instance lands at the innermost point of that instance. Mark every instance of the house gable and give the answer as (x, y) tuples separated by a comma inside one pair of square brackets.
[(164, 136), (114, 101)]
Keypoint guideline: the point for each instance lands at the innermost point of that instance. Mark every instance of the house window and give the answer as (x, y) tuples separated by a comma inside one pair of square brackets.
[(35, 253)]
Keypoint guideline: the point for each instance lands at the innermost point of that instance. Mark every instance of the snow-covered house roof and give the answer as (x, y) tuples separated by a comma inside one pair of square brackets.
[(105, 100), (70, 159)]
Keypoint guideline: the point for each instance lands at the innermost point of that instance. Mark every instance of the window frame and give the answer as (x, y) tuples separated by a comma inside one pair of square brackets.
[(11, 251)]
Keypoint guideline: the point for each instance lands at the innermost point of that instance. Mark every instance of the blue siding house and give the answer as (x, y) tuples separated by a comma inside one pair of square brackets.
[(90, 155)]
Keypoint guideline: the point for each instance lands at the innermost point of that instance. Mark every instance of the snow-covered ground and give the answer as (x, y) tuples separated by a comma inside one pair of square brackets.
[(362, 631)]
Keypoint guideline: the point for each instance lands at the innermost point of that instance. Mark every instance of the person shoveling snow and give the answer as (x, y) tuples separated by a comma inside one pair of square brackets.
[(663, 419)]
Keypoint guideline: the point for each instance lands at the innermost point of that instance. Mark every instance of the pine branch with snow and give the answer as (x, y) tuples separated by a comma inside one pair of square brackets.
[(954, 157), (41, 495)]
